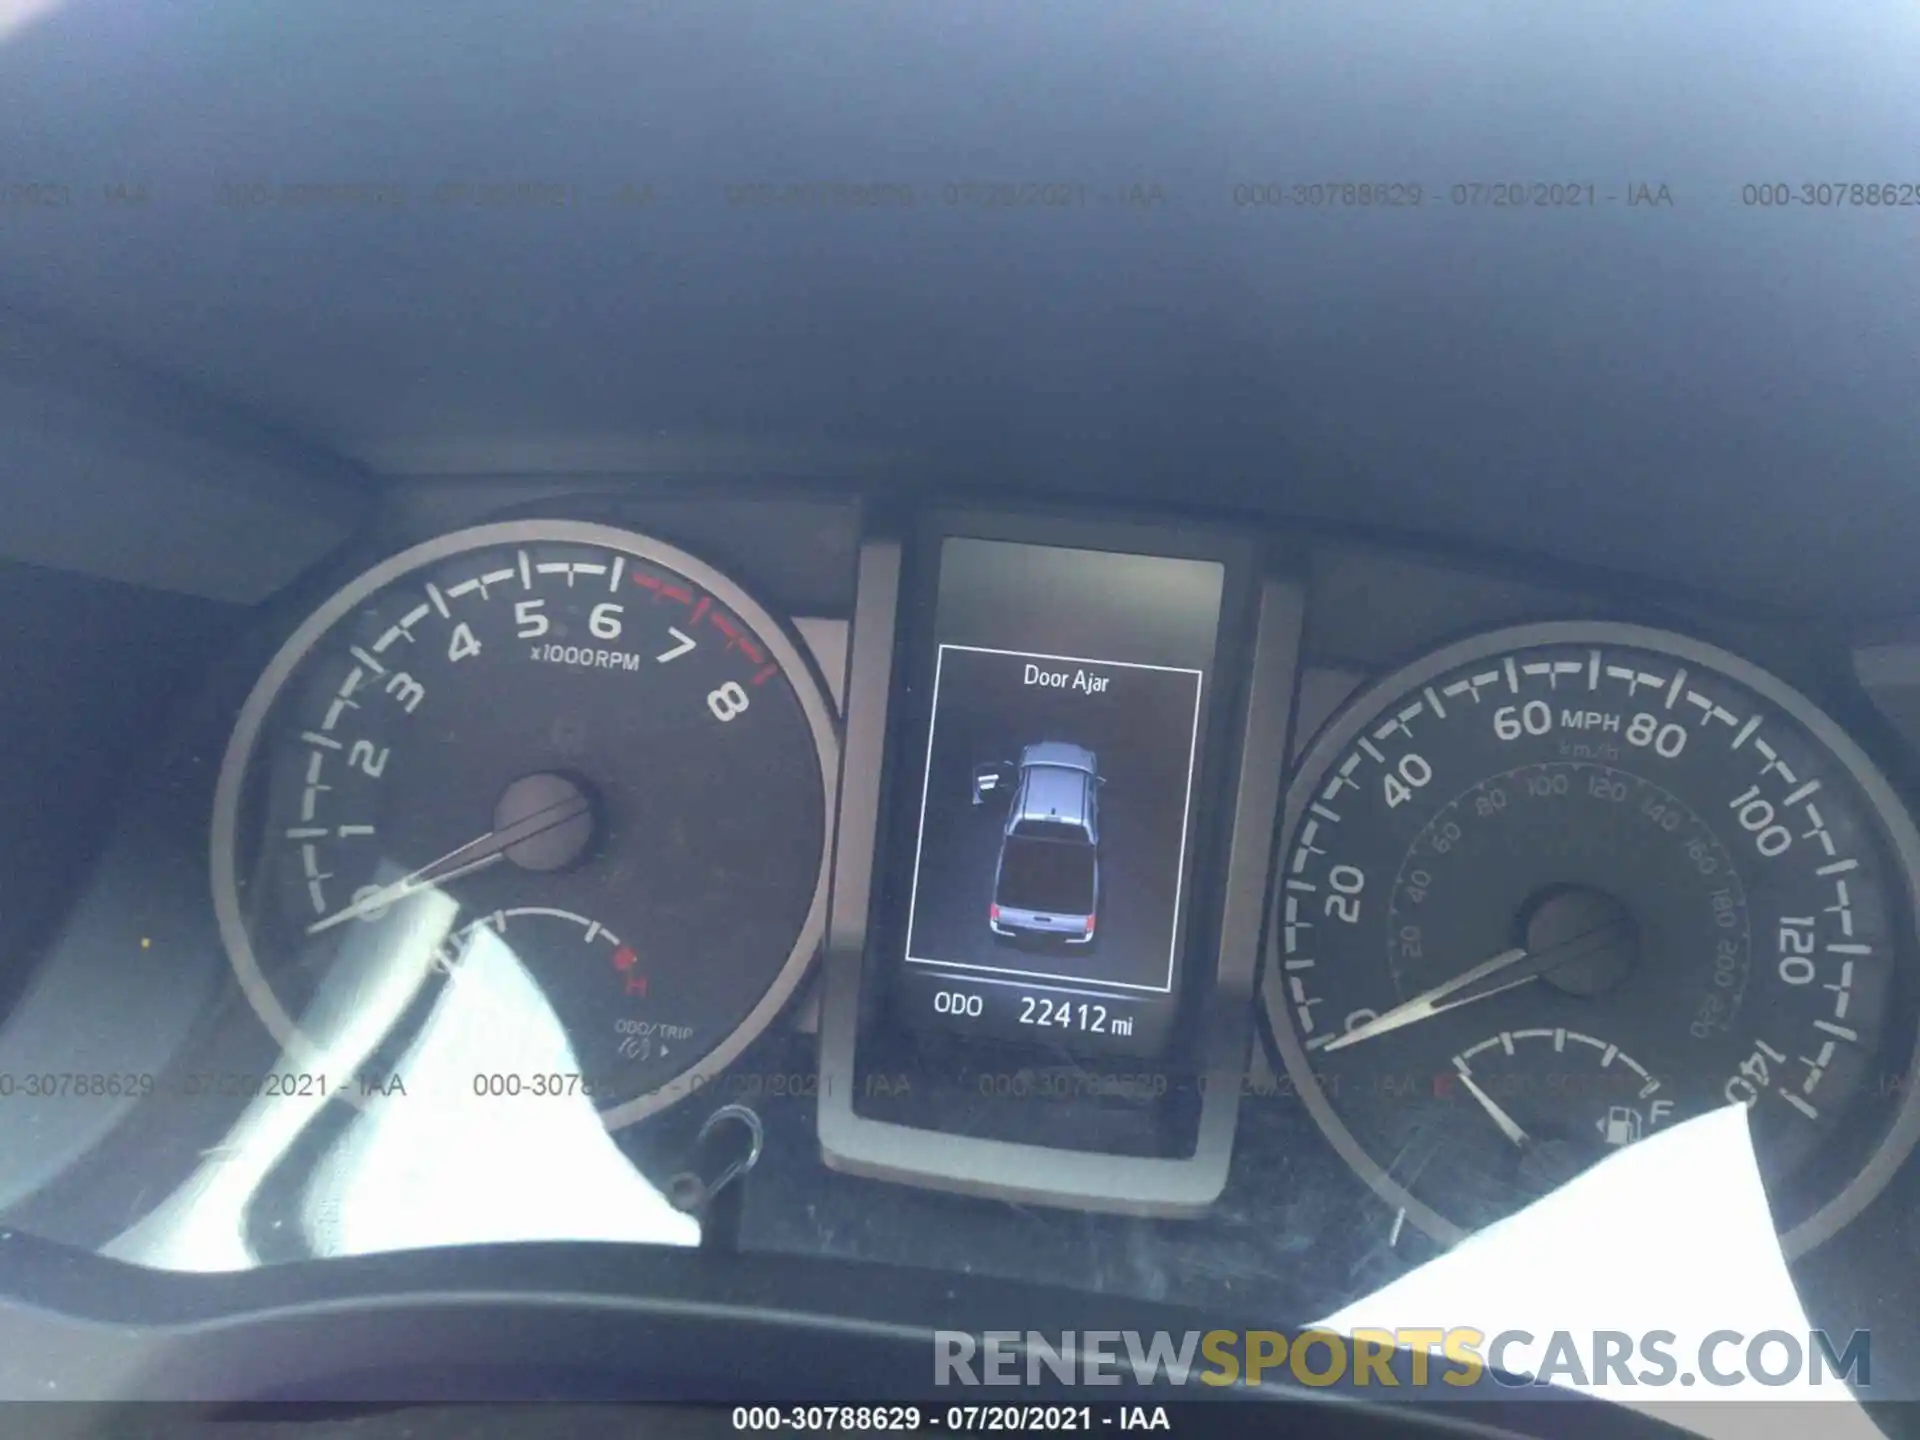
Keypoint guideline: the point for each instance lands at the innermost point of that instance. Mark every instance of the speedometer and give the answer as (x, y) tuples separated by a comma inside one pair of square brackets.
[(537, 808), (1553, 889)]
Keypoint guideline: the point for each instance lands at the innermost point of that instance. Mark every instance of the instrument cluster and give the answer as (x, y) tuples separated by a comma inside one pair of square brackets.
[(1223, 904)]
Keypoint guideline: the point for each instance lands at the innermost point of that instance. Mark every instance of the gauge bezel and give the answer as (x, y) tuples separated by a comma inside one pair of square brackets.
[(794, 665), (1362, 709)]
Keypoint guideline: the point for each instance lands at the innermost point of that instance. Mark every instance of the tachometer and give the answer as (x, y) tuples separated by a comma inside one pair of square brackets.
[(1552, 889), (557, 783)]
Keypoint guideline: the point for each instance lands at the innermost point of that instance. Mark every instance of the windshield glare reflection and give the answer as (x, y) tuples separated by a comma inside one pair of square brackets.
[(1671, 1234), (431, 1164)]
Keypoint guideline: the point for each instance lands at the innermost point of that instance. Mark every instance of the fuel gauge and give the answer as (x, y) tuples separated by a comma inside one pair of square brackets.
[(1561, 1098)]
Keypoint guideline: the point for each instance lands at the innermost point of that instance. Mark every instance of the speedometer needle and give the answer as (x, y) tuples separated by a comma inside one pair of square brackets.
[(1431, 1002), (481, 851), (1503, 972)]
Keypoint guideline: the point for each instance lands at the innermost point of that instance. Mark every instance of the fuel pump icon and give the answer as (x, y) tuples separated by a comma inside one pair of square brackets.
[(1622, 1125)]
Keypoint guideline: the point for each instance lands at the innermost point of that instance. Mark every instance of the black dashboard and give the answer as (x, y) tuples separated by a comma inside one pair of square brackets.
[(584, 942), (1189, 686)]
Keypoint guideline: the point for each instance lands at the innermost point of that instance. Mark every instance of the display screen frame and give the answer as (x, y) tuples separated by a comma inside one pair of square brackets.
[(1204, 577), (1173, 1159)]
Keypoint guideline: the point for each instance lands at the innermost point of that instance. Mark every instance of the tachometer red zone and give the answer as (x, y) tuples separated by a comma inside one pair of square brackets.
[(704, 609)]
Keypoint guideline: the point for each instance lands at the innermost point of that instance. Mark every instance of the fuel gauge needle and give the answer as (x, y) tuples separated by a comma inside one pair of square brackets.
[(1509, 1127)]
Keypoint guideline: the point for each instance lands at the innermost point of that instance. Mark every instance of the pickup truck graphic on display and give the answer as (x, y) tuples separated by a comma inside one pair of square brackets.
[(1046, 885)]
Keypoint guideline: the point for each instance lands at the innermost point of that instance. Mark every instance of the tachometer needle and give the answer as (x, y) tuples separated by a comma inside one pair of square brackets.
[(1509, 1127), (481, 851)]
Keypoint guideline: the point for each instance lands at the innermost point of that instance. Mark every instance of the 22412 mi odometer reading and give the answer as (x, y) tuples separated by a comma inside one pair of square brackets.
[(1556, 888), (539, 807)]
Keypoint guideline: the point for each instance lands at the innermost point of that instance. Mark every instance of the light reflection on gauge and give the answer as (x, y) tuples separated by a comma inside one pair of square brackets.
[(615, 983), (571, 741), (1553, 889)]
